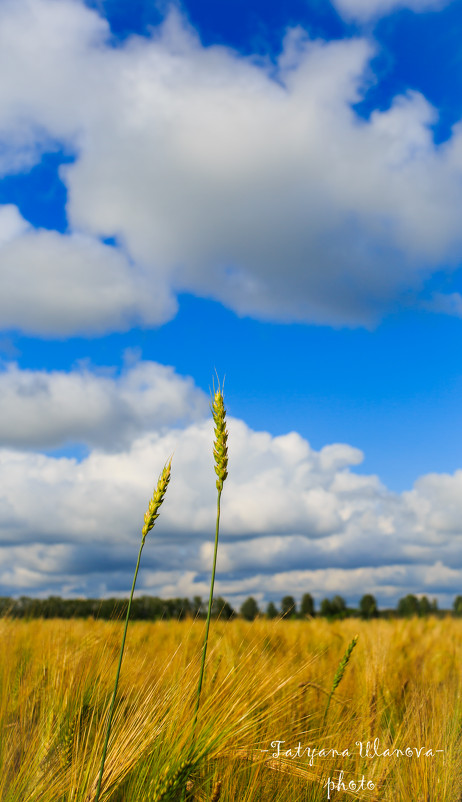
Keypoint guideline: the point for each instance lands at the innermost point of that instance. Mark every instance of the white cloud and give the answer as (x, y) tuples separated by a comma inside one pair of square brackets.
[(218, 175), (269, 488), (367, 9), (46, 409), (436, 500), (47, 57), (446, 303), (54, 284), (12, 224)]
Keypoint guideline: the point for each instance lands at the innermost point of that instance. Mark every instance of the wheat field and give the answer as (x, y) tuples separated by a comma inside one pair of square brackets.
[(262, 711)]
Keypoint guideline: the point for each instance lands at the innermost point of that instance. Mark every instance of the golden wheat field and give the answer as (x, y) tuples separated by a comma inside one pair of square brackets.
[(262, 721)]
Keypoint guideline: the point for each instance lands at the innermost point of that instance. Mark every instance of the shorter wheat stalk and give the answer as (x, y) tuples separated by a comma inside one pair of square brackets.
[(339, 674), (149, 520)]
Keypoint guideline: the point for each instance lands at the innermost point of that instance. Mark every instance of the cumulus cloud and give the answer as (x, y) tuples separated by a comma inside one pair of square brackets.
[(217, 174), (53, 284), (47, 409), (368, 9), (12, 224), (272, 488), (293, 519), (445, 303)]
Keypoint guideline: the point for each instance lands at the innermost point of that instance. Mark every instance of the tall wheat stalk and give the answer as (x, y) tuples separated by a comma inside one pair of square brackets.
[(220, 454), (150, 517)]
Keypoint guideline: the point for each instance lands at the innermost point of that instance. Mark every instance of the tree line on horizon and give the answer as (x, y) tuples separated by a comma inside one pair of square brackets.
[(152, 608)]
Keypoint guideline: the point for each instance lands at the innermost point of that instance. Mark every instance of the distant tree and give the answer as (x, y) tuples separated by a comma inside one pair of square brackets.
[(425, 607), (183, 608), (408, 605), (368, 606), (249, 609), (155, 608), (112, 608), (271, 611), (307, 605), (335, 607), (222, 609), (197, 606), (7, 606), (339, 605), (52, 607), (457, 606), (288, 606), (326, 608)]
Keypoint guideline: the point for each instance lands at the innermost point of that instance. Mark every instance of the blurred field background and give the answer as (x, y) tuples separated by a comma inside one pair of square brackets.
[(266, 681)]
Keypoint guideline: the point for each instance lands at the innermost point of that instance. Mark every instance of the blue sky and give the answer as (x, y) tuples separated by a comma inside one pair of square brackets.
[(269, 191)]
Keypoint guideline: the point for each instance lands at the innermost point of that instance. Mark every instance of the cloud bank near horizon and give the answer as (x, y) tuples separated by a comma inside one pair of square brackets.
[(293, 518)]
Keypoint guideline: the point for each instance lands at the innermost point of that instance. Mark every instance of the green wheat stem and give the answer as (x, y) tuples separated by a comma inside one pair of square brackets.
[(220, 453), (114, 694), (209, 613), (149, 521), (339, 674)]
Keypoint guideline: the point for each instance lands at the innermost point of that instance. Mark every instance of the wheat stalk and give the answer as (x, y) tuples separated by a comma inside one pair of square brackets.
[(149, 520), (220, 454)]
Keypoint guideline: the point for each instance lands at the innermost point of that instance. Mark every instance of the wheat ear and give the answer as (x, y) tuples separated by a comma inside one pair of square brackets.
[(149, 520), (339, 674), (166, 784), (216, 793), (158, 496)]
